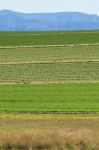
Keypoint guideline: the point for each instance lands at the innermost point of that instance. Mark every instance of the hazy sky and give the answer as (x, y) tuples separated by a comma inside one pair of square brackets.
[(87, 6)]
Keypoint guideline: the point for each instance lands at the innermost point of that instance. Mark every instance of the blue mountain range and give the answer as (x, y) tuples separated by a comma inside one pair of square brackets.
[(15, 21)]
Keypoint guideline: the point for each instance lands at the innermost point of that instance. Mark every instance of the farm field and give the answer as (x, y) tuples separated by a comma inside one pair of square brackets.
[(50, 78), (50, 98), (50, 72), (48, 38), (49, 64), (49, 89), (49, 54)]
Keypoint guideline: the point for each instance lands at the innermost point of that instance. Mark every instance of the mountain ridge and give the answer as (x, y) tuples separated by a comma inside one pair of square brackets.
[(16, 21)]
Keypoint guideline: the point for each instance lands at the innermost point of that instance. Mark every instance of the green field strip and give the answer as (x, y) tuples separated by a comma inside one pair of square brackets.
[(50, 98), (48, 38)]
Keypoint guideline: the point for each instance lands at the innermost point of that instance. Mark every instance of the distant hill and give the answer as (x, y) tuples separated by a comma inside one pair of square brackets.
[(14, 21)]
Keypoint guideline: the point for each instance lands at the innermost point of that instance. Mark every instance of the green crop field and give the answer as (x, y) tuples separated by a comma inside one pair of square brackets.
[(48, 38), (49, 71), (50, 98)]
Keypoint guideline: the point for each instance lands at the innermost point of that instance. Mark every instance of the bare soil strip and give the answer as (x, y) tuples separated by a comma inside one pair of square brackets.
[(47, 46)]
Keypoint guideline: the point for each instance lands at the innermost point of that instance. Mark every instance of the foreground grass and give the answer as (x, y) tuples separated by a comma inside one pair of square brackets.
[(75, 97), (51, 140), (49, 131)]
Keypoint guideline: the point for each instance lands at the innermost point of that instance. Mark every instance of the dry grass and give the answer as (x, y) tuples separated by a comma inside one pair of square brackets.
[(51, 140), (49, 132)]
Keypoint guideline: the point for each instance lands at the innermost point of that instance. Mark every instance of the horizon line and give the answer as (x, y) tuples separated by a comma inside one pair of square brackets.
[(49, 12)]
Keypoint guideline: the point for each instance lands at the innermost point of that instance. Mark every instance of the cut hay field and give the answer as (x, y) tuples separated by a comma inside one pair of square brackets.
[(50, 72), (49, 64), (49, 54)]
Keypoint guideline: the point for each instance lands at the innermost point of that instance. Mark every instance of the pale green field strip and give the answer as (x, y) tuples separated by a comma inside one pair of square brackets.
[(50, 54), (28, 122), (49, 72), (50, 98), (50, 116)]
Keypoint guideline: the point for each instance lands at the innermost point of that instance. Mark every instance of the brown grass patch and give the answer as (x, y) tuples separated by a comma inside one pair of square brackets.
[(62, 139)]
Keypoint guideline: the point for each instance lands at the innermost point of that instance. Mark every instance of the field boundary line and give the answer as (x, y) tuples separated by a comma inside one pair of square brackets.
[(50, 112), (48, 62), (47, 46), (8, 82)]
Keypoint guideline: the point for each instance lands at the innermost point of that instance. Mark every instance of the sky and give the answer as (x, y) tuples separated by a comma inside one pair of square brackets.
[(36, 6)]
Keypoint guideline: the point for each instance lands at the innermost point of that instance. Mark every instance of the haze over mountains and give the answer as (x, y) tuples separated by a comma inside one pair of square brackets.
[(14, 21)]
